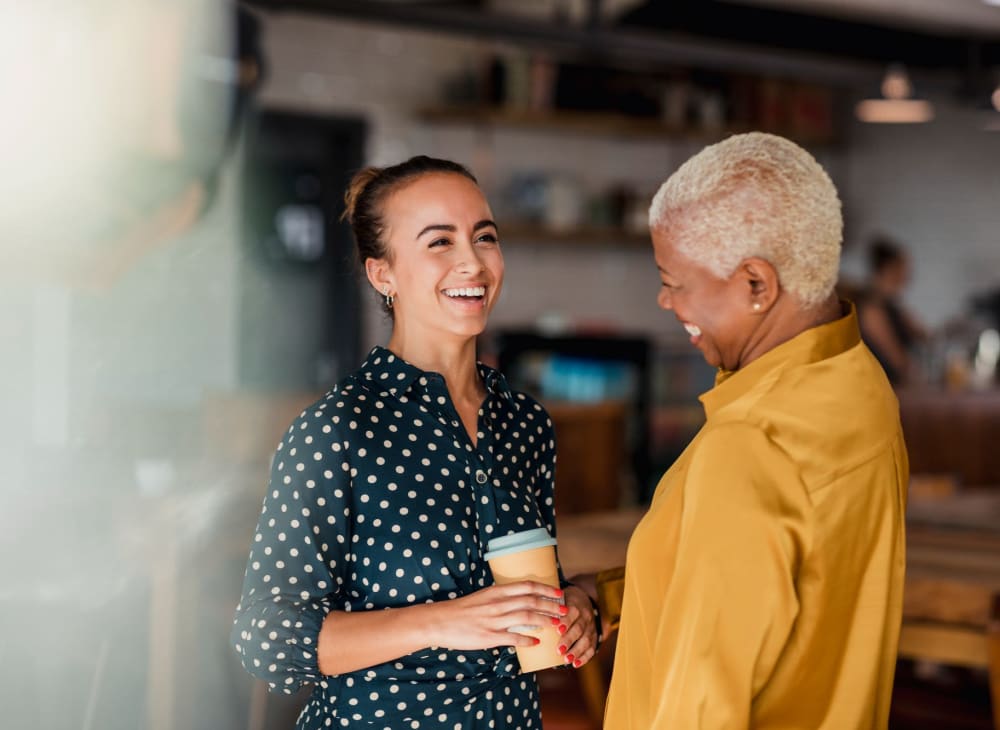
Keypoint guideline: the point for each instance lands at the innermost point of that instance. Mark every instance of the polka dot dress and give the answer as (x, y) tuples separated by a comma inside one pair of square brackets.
[(379, 499)]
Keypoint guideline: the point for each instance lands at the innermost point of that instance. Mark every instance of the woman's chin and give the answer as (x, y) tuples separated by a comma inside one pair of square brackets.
[(468, 327), (712, 358)]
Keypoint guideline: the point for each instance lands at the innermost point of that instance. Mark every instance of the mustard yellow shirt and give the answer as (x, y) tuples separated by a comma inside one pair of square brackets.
[(763, 589)]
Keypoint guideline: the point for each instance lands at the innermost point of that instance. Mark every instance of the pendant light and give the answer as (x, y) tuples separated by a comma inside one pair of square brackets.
[(896, 105), (992, 124)]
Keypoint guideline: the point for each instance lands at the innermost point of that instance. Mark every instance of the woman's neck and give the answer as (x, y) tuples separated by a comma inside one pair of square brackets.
[(453, 358), (786, 321)]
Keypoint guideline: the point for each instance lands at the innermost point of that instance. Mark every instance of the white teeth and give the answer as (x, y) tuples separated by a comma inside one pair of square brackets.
[(472, 291), (692, 329)]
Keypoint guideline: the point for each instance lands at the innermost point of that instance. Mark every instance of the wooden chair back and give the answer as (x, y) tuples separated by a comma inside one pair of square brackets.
[(958, 643)]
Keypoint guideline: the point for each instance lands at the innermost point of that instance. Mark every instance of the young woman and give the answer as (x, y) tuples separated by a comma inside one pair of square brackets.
[(366, 575)]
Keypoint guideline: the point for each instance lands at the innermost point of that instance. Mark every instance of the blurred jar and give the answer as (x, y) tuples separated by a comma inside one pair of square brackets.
[(564, 203), (984, 364), (957, 370)]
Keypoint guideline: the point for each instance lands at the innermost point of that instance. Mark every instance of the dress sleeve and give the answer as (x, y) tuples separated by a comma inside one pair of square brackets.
[(545, 480), (731, 604), (297, 559)]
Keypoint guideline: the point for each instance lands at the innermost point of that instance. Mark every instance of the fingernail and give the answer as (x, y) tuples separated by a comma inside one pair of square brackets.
[(562, 649), (578, 664), (555, 621), (569, 658), (537, 641), (562, 629), (559, 592), (563, 610)]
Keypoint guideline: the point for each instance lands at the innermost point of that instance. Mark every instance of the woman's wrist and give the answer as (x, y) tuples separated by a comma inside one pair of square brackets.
[(598, 624), (352, 640), (429, 621)]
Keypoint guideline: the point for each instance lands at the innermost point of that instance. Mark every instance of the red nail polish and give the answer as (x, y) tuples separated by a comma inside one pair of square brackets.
[(537, 641), (555, 621), (559, 592), (569, 658), (562, 649), (577, 664), (562, 629), (563, 610)]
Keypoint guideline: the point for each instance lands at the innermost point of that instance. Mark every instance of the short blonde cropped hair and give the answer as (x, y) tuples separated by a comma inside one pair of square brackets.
[(757, 195)]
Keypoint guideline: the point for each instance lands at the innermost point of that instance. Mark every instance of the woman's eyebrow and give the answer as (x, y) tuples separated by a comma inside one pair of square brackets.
[(438, 227), (485, 223)]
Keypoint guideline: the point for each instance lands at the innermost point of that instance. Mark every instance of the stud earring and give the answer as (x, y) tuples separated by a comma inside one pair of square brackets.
[(389, 298), (756, 306)]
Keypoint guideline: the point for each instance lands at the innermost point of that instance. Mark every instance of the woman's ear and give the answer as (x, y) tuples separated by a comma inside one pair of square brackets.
[(379, 275), (762, 283)]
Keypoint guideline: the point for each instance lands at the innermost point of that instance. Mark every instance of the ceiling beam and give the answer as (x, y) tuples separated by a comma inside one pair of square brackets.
[(792, 30), (651, 50)]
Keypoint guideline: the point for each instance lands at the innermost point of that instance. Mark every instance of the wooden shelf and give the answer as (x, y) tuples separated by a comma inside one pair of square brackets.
[(590, 235), (608, 124), (599, 123)]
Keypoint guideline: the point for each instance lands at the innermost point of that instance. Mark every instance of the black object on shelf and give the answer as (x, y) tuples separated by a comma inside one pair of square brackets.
[(598, 89)]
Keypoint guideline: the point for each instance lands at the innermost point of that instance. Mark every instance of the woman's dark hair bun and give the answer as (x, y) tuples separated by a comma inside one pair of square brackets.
[(365, 197)]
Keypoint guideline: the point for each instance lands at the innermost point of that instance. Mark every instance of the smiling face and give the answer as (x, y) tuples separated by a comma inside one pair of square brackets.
[(444, 268), (716, 312)]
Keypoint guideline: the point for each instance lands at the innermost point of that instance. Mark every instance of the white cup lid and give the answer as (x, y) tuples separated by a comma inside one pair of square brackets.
[(518, 542)]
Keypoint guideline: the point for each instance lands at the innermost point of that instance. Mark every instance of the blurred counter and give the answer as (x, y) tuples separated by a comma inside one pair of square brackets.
[(955, 433)]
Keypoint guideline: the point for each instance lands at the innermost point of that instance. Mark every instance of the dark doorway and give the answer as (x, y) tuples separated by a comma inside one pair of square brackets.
[(299, 291)]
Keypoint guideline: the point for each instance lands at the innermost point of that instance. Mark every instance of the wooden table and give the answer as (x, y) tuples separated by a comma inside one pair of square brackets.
[(593, 541), (954, 539), (968, 509)]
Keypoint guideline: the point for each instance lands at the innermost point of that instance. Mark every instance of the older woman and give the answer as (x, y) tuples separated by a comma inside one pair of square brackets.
[(763, 587)]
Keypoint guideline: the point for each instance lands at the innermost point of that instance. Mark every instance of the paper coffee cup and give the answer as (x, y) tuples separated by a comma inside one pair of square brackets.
[(529, 555)]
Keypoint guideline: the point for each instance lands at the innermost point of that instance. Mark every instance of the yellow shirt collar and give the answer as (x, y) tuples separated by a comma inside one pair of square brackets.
[(813, 345)]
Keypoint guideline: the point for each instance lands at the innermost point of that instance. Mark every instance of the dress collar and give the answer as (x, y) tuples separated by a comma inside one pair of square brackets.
[(813, 345), (386, 370)]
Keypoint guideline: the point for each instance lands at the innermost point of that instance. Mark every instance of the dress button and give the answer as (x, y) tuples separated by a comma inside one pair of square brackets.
[(481, 476)]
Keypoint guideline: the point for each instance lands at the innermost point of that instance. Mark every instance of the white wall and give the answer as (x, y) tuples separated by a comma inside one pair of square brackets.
[(337, 67), (934, 186)]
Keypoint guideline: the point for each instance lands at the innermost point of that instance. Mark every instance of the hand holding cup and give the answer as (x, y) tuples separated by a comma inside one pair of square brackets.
[(530, 556)]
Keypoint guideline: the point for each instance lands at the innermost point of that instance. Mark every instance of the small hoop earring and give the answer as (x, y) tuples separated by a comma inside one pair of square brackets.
[(389, 298)]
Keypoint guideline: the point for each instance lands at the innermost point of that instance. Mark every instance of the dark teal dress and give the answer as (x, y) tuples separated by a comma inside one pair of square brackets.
[(378, 499)]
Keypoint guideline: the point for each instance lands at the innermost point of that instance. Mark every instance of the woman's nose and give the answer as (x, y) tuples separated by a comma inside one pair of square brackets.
[(663, 299), (469, 261)]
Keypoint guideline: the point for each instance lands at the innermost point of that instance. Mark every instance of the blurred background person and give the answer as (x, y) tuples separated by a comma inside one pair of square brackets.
[(891, 332), (119, 120)]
